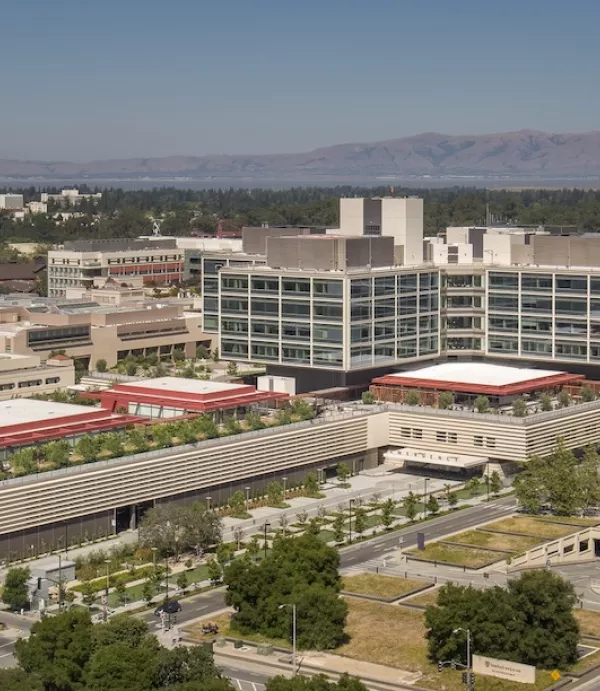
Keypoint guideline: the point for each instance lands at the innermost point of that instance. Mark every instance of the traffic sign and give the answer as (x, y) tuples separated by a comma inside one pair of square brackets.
[(555, 674)]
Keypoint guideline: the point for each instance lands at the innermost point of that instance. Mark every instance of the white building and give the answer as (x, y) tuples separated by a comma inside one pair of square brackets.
[(13, 202)]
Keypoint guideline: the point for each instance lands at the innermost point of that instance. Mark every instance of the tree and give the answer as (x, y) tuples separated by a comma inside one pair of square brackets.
[(311, 484), (452, 499), (225, 553), (87, 449), (387, 513), (495, 483), (161, 436), (16, 593), (302, 516), (186, 666), (113, 443), (253, 420), (118, 666), (586, 394), (474, 486), (202, 352), (182, 580), (138, 440), (411, 506), (564, 399), (316, 683), (121, 628), (17, 680), (58, 650), (274, 494), (101, 365), (301, 570), (232, 368), (57, 453), (338, 528), (215, 572), (253, 548), (531, 621), (302, 409), (237, 504), (482, 404), (519, 407), (360, 521), (445, 400), (343, 472), (546, 402), (23, 462), (433, 505), (412, 397), (238, 535), (368, 397), (148, 590)]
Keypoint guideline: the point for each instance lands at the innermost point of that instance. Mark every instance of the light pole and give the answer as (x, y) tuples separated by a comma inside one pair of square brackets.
[(107, 562), (425, 497), (284, 478), (266, 527), (469, 656), (154, 550), (208, 500), (247, 490), (294, 634), (350, 505)]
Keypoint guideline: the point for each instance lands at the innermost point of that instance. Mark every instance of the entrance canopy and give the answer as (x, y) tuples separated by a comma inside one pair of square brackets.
[(447, 461)]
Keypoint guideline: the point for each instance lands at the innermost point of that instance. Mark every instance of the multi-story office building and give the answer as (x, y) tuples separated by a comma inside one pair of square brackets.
[(328, 310), (12, 202), (80, 263), (25, 375)]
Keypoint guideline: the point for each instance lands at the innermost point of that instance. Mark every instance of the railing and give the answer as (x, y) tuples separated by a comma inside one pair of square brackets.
[(187, 448)]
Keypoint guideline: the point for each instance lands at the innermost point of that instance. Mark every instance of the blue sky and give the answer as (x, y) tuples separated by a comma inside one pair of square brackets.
[(109, 79)]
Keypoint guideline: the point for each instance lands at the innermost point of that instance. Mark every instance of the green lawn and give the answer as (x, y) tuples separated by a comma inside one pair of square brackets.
[(461, 556)]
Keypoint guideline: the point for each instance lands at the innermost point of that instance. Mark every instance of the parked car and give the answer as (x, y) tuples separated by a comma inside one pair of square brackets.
[(168, 607)]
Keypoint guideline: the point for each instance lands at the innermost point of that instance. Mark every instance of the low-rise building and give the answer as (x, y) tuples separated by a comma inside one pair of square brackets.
[(11, 201), (25, 375)]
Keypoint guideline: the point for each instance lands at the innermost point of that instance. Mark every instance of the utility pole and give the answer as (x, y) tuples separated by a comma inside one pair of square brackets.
[(294, 635), (266, 527), (350, 505)]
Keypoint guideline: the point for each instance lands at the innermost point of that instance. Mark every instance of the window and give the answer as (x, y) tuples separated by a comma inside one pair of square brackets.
[(407, 305), (328, 356), (385, 308), (327, 311), (571, 284), (452, 437), (534, 347), (407, 283), (299, 309), (295, 332), (417, 434), (234, 305), (234, 283), (327, 333), (296, 286), (265, 285), (499, 345), (265, 307), (296, 354), (407, 327), (534, 282), (477, 440), (360, 288), (407, 349), (531, 325), (405, 431), (385, 352), (571, 306), (441, 436), (265, 351), (386, 285), (360, 334), (265, 329), (503, 280), (328, 289), (503, 303), (360, 311), (361, 355), (385, 330), (572, 351), (490, 442), (6, 387), (234, 326), (28, 384), (234, 348)]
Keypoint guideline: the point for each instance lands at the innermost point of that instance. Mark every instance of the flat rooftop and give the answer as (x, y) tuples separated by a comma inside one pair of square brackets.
[(479, 378), (18, 411), (182, 385)]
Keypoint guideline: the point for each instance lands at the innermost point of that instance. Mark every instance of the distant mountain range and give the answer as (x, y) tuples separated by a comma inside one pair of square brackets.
[(524, 154)]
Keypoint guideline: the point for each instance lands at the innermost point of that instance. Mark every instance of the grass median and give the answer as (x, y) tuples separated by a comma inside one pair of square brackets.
[(471, 557), (535, 527), (483, 539), (385, 587)]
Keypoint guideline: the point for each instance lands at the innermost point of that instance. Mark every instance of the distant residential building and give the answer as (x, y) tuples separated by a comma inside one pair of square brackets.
[(11, 202), (21, 277), (37, 207), (80, 263), (69, 196)]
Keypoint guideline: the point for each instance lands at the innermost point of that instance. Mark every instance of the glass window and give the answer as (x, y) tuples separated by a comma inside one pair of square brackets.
[(407, 327), (407, 349), (497, 344), (328, 289), (428, 302), (361, 288), (463, 281), (360, 311), (235, 305), (238, 348), (576, 284), (424, 281), (212, 267), (428, 344), (428, 323), (534, 347), (573, 306), (230, 282), (265, 307), (295, 332), (328, 311), (531, 282), (265, 351), (463, 343), (463, 301), (296, 286), (570, 327), (503, 324), (503, 280), (504, 303), (530, 325), (361, 355), (236, 326), (459, 323), (385, 330), (571, 350), (265, 329), (210, 323), (385, 285), (211, 285), (407, 305), (265, 285), (360, 334), (385, 308), (296, 354), (293, 308), (327, 333), (407, 283), (384, 352), (327, 356)]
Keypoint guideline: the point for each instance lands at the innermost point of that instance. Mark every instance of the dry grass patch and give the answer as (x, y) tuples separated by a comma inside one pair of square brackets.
[(424, 599), (386, 587), (589, 622), (223, 621), (508, 543), (583, 521), (531, 526), (453, 554)]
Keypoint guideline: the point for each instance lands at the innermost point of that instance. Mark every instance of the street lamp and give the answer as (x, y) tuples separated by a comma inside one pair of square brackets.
[(266, 527), (107, 562), (154, 550), (247, 490), (284, 478), (208, 500), (350, 504), (425, 497), (294, 634), (469, 656)]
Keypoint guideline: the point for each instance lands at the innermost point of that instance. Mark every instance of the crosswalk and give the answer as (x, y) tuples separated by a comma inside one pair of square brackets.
[(245, 685)]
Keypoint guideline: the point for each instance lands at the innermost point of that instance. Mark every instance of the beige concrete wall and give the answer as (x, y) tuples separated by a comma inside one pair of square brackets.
[(578, 547), (351, 217), (92, 489), (17, 383)]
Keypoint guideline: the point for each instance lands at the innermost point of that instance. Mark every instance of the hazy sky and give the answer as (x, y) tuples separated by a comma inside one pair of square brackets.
[(104, 79)]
